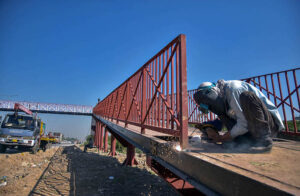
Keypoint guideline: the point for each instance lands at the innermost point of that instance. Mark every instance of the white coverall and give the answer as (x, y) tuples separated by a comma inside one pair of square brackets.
[(232, 90)]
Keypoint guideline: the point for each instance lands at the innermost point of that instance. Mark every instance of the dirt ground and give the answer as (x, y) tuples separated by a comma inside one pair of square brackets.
[(22, 170), (70, 171)]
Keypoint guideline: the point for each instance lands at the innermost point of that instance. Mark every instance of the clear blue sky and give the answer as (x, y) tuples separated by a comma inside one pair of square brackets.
[(76, 51)]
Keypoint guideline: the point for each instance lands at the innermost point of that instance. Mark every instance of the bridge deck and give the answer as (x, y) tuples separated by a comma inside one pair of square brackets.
[(224, 171), (278, 168)]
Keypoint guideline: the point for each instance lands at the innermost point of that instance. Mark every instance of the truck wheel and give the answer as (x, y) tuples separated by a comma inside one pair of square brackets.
[(46, 146), (2, 148), (43, 145), (22, 148), (34, 149)]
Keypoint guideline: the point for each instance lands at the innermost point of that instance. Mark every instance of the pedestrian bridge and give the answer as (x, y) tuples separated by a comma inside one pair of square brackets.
[(53, 108)]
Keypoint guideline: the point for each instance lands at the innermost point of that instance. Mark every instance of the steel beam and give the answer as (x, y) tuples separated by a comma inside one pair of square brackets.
[(196, 171), (175, 181)]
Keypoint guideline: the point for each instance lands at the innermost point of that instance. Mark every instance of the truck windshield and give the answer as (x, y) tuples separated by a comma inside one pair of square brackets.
[(18, 122)]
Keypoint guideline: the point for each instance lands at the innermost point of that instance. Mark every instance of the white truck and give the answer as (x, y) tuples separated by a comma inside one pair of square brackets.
[(22, 130)]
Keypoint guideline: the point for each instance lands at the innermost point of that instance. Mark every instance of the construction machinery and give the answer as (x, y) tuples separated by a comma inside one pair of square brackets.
[(24, 131), (49, 138)]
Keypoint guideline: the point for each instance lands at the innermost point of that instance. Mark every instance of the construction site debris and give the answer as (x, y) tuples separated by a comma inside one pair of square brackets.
[(3, 181), (21, 176)]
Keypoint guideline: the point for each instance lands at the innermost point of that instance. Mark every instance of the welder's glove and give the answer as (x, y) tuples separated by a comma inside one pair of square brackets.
[(212, 134)]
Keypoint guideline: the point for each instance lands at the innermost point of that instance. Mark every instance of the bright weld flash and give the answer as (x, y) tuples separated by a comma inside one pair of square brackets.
[(178, 148)]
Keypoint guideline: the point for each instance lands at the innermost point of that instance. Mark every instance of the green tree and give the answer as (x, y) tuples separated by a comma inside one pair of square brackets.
[(88, 139)]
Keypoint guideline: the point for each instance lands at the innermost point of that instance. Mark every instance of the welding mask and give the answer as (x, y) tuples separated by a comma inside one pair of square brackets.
[(208, 98)]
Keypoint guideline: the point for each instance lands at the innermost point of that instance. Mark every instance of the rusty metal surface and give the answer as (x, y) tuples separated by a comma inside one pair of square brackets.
[(171, 175), (154, 97), (203, 170)]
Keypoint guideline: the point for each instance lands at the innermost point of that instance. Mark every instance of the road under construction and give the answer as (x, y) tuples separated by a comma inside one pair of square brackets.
[(154, 111)]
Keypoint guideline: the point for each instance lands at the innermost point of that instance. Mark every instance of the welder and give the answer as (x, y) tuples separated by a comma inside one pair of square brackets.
[(245, 111)]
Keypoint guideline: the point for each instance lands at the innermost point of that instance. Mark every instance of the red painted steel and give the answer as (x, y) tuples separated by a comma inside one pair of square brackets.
[(182, 186), (112, 146), (147, 98), (101, 136), (105, 140), (22, 108), (280, 87), (130, 158), (95, 134)]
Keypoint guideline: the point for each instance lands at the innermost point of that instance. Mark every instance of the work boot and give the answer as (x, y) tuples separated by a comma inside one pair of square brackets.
[(263, 145)]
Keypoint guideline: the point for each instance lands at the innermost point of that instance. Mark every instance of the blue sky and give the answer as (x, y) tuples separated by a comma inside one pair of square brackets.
[(76, 51)]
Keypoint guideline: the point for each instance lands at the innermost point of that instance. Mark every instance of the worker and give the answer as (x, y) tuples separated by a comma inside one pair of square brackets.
[(244, 110)]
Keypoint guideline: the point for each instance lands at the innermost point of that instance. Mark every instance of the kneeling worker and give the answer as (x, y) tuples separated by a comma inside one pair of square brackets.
[(242, 109)]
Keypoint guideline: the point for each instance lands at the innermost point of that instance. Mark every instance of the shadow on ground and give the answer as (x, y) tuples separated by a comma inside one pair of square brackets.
[(93, 174), (16, 150)]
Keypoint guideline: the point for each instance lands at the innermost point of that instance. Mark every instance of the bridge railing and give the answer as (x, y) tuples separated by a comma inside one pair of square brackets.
[(281, 88), (154, 97)]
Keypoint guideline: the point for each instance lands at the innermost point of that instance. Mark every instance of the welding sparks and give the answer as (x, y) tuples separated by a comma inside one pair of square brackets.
[(178, 148)]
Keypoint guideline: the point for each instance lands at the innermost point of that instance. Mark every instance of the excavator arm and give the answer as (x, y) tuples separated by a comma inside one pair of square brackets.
[(22, 108)]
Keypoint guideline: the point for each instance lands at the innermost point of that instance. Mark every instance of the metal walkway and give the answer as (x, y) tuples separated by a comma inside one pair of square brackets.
[(48, 107)]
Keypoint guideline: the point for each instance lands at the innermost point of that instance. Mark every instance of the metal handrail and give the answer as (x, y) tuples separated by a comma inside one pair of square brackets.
[(154, 97)]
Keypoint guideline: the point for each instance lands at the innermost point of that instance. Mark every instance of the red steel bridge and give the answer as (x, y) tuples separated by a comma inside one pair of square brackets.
[(153, 110), (156, 97)]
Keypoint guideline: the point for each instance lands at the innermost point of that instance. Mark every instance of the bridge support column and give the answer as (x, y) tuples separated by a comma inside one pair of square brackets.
[(130, 160), (112, 146), (101, 136), (105, 140), (95, 134)]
